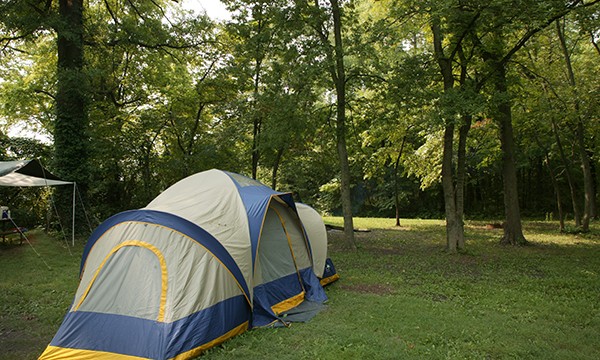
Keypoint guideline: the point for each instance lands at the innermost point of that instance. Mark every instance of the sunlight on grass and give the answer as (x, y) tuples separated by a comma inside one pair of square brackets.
[(400, 296)]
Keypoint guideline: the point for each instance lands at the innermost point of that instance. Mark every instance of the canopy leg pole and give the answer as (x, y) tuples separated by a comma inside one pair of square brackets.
[(73, 223)]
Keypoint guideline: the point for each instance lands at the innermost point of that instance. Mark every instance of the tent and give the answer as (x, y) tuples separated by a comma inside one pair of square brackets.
[(215, 254), (28, 173), (317, 235)]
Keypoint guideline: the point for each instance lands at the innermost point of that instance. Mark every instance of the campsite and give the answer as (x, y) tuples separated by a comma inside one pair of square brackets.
[(400, 296), (327, 179)]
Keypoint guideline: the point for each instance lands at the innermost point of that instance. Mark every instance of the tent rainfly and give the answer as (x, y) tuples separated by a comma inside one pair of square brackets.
[(29, 173)]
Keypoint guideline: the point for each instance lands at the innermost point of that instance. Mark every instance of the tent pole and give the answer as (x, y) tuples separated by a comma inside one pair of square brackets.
[(73, 224)]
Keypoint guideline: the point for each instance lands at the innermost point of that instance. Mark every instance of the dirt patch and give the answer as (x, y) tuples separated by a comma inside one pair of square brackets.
[(13, 340), (377, 289)]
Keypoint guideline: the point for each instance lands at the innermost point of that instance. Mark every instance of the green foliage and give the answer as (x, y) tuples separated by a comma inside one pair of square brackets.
[(170, 93)]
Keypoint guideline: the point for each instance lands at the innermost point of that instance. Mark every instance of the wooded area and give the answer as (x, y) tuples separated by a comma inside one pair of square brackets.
[(359, 107)]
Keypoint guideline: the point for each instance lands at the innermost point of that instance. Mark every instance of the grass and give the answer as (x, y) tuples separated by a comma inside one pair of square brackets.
[(400, 296)]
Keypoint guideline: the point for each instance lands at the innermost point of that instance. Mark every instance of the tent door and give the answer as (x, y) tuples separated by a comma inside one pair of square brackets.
[(276, 269), (129, 270)]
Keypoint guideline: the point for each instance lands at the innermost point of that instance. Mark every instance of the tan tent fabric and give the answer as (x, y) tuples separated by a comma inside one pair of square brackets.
[(210, 199), (317, 234), (185, 262)]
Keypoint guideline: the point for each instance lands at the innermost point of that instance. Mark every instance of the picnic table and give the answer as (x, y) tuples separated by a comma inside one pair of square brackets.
[(7, 227)]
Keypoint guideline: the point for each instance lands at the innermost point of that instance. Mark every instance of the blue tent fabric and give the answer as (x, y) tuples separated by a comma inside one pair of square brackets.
[(138, 337), (256, 198)]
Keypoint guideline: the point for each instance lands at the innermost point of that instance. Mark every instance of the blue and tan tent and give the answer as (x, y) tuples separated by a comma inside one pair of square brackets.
[(215, 254)]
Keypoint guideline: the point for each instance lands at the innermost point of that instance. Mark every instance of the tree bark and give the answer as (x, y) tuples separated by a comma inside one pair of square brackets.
[(570, 181), (561, 218), (70, 127), (461, 175), (555, 186), (397, 181), (276, 163), (452, 219), (594, 213), (452, 207), (588, 187), (513, 231), (257, 120), (340, 87)]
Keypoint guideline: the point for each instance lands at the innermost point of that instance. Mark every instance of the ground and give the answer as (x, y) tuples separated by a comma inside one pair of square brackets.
[(400, 296)]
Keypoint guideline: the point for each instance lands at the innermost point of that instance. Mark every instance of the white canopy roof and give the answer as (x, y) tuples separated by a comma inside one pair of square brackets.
[(27, 173)]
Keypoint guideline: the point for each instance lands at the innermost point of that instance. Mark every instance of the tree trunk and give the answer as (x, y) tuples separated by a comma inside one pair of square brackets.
[(452, 220), (276, 163), (570, 182), (454, 223), (513, 232), (70, 127), (396, 180), (555, 186), (594, 214), (257, 122), (340, 87), (588, 187), (561, 218), (461, 174)]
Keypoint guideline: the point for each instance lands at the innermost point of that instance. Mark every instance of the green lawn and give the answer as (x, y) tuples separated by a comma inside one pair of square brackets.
[(400, 296)]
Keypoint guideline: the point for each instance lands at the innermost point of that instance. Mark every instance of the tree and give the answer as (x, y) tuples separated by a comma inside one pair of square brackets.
[(71, 140), (334, 54), (453, 181), (498, 41), (579, 133)]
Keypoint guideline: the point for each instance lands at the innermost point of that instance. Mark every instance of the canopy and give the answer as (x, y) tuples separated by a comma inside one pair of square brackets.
[(27, 173)]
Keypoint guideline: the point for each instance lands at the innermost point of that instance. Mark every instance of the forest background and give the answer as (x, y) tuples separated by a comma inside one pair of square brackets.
[(431, 109)]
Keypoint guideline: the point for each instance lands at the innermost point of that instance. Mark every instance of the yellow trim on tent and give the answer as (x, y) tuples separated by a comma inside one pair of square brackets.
[(329, 280), (197, 351), (59, 353), (163, 270), (288, 304), (185, 236)]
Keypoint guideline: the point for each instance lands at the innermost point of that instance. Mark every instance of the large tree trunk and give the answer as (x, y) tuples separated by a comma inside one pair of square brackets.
[(70, 127), (513, 232), (340, 87), (453, 225)]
